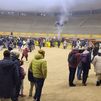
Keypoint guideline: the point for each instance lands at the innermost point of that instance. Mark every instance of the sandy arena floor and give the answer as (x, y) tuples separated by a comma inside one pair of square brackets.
[(56, 85)]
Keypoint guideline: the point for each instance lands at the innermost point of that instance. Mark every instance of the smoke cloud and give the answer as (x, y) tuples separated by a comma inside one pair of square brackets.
[(62, 6), (46, 5)]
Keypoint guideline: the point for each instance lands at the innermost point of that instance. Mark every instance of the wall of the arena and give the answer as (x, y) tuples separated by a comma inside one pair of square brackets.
[(17, 34)]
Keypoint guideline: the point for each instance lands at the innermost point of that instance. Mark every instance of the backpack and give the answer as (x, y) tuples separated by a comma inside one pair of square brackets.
[(72, 58)]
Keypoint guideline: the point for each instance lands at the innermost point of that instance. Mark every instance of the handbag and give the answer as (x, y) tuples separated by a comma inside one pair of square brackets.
[(30, 76)]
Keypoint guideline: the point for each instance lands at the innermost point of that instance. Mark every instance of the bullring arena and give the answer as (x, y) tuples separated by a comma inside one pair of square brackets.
[(56, 85), (81, 23)]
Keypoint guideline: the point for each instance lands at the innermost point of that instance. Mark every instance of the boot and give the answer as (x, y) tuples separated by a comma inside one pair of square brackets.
[(98, 83), (84, 84), (72, 85)]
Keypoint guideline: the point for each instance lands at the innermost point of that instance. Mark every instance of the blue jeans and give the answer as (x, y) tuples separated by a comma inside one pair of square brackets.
[(79, 72), (39, 82)]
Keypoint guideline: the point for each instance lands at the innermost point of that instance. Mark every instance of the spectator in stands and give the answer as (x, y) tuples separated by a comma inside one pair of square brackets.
[(8, 77)]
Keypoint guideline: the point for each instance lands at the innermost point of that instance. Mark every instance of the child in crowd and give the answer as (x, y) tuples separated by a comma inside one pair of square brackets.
[(22, 76), (25, 53)]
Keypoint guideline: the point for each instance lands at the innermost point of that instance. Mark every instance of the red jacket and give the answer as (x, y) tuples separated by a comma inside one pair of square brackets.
[(25, 52)]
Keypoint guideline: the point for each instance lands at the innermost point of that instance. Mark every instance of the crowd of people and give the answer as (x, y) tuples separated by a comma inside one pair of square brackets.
[(80, 60), (12, 73), (11, 42)]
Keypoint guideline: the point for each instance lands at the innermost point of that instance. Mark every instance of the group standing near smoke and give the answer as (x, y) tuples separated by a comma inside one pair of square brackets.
[(80, 60), (12, 73)]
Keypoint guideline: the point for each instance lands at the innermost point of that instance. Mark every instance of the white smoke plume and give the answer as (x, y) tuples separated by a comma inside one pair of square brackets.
[(62, 6)]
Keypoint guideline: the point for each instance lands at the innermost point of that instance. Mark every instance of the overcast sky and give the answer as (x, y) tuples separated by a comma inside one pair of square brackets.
[(45, 5)]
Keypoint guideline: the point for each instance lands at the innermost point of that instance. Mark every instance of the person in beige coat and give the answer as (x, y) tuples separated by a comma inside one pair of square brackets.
[(97, 67)]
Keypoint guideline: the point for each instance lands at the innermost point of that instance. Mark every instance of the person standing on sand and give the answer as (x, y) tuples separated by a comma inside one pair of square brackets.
[(39, 70)]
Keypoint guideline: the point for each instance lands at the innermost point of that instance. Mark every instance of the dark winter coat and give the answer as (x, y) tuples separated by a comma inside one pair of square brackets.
[(76, 60), (8, 77), (87, 63)]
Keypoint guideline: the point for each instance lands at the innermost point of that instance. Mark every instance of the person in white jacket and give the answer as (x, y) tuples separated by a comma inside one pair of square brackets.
[(97, 67)]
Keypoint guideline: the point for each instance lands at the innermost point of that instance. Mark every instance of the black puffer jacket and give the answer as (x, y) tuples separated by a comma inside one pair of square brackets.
[(8, 77)]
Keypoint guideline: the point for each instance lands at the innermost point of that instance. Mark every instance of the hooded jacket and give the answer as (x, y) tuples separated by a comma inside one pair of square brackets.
[(8, 77), (39, 67), (77, 60)]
